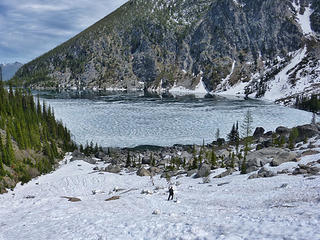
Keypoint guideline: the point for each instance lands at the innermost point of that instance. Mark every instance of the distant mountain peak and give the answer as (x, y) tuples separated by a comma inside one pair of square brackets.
[(9, 69)]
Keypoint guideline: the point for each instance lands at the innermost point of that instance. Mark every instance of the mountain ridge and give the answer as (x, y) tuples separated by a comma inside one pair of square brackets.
[(161, 45), (8, 70)]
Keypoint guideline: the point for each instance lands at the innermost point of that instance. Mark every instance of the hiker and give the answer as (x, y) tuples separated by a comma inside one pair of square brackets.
[(170, 193)]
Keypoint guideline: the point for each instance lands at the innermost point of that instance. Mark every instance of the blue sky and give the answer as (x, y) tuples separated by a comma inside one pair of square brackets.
[(29, 28)]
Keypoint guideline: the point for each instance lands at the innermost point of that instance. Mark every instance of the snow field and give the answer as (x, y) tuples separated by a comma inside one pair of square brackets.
[(281, 207)]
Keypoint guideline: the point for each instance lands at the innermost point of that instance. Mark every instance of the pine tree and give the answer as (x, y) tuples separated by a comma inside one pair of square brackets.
[(247, 124), (247, 130), (194, 163), (2, 171), (213, 158), (217, 134), (244, 166), (9, 150), (232, 163), (128, 162), (152, 163)]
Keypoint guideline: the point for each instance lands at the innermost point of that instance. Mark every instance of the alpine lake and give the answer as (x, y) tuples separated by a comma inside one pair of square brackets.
[(119, 119)]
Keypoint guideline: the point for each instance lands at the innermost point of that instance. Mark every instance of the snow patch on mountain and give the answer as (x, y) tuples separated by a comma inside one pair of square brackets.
[(224, 85), (200, 90), (304, 19), (283, 78), (279, 87)]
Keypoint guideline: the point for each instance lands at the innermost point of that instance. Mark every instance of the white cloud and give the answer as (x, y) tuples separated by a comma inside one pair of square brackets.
[(41, 7), (33, 27)]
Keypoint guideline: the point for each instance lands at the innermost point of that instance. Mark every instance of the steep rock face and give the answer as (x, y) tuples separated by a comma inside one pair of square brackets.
[(160, 44)]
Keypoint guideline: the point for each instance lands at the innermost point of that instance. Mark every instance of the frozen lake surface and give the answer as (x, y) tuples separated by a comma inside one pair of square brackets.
[(127, 120)]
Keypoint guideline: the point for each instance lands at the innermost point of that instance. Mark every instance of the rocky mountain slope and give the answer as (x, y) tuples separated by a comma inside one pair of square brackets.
[(261, 48), (9, 70)]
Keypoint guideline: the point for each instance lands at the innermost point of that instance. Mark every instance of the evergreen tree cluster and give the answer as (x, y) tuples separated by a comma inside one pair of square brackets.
[(28, 126), (234, 135), (311, 104)]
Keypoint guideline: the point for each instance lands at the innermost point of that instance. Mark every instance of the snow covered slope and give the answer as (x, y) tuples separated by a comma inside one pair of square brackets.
[(281, 207), (284, 78)]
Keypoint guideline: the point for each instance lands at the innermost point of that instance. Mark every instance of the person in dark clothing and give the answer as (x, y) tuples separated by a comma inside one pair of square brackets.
[(170, 193)]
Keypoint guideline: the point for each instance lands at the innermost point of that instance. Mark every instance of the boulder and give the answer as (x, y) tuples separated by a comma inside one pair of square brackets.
[(89, 160), (305, 169), (72, 199), (113, 198), (154, 170), (268, 134), (191, 172), (142, 172), (307, 131), (258, 159), (283, 131), (147, 192), (100, 155), (156, 212), (113, 169), (264, 172), (77, 155), (204, 171), (258, 132), (283, 157), (226, 173)]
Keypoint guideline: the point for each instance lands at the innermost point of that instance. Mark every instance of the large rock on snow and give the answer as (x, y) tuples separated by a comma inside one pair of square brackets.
[(263, 173), (257, 159), (226, 173), (283, 157), (307, 131), (283, 131), (90, 160), (305, 169), (77, 155), (113, 169), (191, 172), (142, 172), (154, 170), (258, 132), (204, 171), (100, 155)]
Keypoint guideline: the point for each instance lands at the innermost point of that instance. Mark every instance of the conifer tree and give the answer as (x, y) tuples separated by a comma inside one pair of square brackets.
[(2, 172), (244, 166), (213, 157), (217, 134), (128, 162), (9, 150)]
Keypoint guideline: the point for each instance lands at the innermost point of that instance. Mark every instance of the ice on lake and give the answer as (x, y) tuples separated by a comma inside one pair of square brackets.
[(127, 120)]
